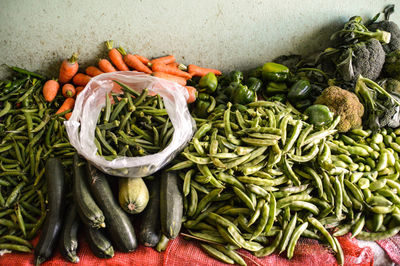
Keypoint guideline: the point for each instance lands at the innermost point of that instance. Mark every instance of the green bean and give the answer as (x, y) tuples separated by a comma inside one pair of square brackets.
[(193, 202), (295, 237), (206, 199), (217, 254), (272, 213), (197, 160), (14, 194), (231, 254), (372, 236), (323, 231), (338, 198), (288, 231), (256, 213), (358, 226), (244, 198), (259, 142), (266, 251), (222, 176), (290, 173), (221, 220), (251, 246), (15, 247), (263, 221)]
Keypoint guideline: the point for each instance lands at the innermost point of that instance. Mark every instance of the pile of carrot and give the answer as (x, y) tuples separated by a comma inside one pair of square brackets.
[(73, 82)]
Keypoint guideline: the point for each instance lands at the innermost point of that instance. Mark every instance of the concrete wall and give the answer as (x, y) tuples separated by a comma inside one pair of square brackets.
[(234, 34)]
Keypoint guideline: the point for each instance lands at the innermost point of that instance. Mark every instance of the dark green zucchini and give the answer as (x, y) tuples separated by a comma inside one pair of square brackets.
[(98, 243), (149, 233), (119, 226), (171, 204), (51, 229), (69, 235), (87, 208)]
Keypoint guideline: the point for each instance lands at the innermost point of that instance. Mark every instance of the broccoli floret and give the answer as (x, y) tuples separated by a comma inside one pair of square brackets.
[(355, 31), (391, 85), (388, 26), (391, 67), (345, 104), (366, 59)]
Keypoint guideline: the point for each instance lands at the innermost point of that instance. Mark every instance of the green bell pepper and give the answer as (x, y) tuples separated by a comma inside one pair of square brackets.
[(254, 84), (243, 95), (299, 91), (302, 104), (202, 104), (275, 72), (208, 83), (255, 72), (236, 76), (319, 114), (276, 88)]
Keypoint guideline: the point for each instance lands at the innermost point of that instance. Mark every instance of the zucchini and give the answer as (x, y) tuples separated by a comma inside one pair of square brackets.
[(69, 235), (119, 226), (54, 174), (88, 210), (149, 233), (133, 194), (171, 204), (98, 243)]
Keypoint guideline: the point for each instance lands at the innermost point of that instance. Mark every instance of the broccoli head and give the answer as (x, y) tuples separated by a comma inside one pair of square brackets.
[(365, 58), (391, 85), (388, 26), (345, 104), (391, 67)]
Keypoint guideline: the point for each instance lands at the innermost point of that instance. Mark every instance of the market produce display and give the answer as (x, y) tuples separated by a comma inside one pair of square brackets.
[(297, 147)]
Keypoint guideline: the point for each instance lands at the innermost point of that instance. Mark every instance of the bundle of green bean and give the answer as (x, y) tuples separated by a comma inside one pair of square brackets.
[(29, 134), (135, 125), (262, 172)]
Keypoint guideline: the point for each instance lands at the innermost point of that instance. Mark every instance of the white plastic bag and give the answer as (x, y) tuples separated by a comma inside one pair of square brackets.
[(81, 125)]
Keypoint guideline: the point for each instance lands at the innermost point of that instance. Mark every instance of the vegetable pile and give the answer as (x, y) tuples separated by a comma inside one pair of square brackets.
[(297, 147)]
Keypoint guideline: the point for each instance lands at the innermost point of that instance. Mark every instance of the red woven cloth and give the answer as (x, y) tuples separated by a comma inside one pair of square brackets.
[(392, 248), (183, 252)]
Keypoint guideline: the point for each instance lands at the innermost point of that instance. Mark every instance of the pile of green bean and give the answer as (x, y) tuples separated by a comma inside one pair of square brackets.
[(136, 124), (260, 178), (29, 134)]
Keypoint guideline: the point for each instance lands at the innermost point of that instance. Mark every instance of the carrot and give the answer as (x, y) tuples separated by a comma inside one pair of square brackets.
[(50, 89), (68, 69), (133, 61), (67, 105), (142, 59), (164, 59), (173, 64), (177, 79), (106, 66), (93, 71), (160, 67), (68, 90), (201, 71), (116, 57), (78, 90), (81, 79), (192, 94), (68, 115)]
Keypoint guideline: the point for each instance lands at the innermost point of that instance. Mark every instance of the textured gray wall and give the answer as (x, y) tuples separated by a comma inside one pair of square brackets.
[(39, 34)]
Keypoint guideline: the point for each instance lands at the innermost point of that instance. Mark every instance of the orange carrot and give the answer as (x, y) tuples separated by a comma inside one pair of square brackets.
[(201, 71), (133, 61), (68, 90), (68, 69), (164, 59), (160, 67), (78, 89), (106, 66), (177, 79), (116, 57), (142, 59), (93, 71), (68, 115), (67, 105), (81, 79), (50, 90), (192, 94), (173, 64)]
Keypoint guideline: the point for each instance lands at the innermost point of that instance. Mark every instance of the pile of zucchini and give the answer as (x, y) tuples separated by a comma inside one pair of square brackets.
[(108, 220)]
